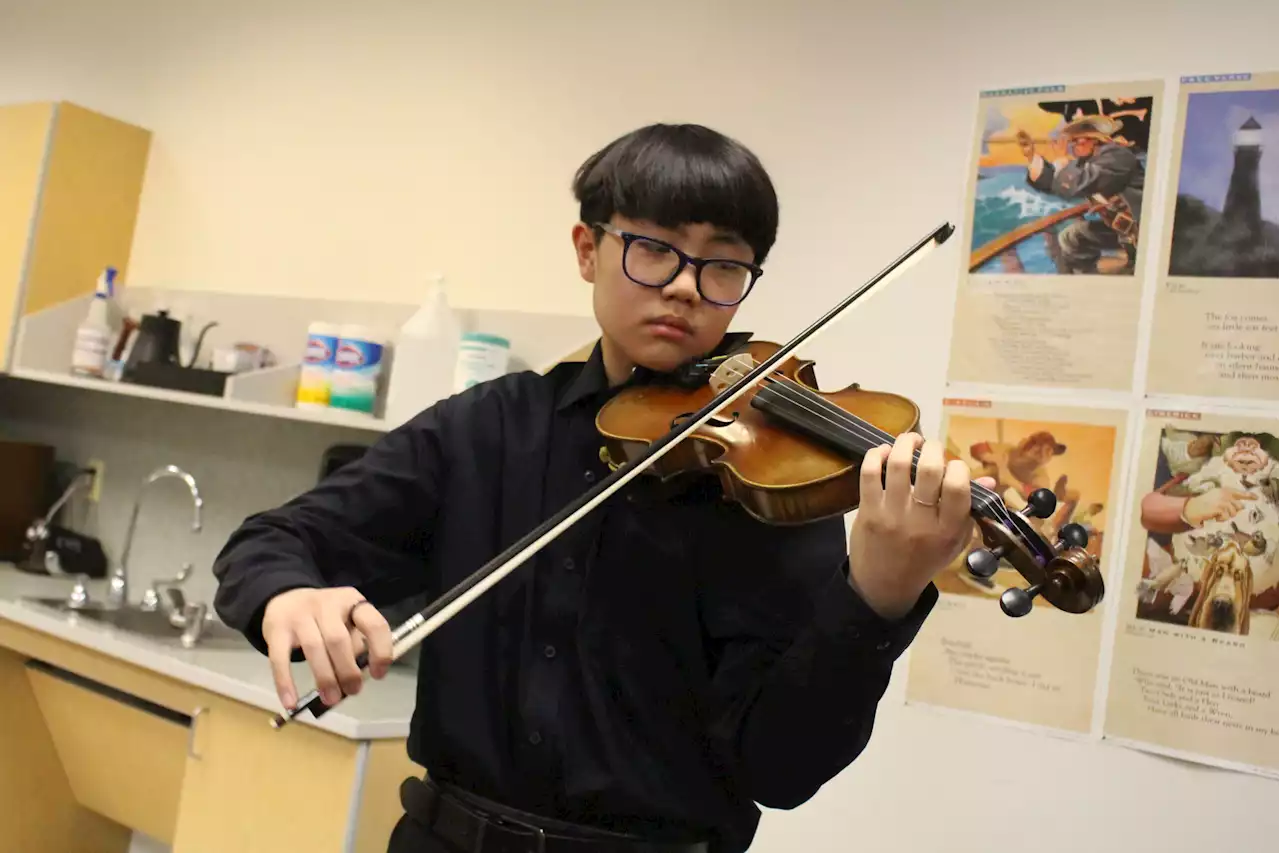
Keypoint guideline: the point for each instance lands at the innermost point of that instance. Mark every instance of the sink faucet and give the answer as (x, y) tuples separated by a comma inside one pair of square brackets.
[(39, 531), (118, 588)]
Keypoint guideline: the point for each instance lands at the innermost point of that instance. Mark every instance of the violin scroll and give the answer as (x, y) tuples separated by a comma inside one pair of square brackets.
[(1063, 573)]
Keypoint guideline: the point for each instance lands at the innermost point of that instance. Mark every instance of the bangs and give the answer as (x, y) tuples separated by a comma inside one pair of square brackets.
[(675, 175)]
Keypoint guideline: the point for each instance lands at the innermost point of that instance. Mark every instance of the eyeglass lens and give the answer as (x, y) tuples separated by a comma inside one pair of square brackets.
[(655, 264)]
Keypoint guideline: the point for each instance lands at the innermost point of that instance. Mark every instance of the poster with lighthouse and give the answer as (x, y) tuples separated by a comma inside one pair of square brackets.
[(1215, 317)]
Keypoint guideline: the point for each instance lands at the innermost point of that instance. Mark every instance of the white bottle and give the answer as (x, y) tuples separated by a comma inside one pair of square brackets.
[(95, 335), (426, 352)]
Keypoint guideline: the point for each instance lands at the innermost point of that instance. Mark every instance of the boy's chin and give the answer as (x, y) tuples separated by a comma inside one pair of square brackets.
[(661, 358)]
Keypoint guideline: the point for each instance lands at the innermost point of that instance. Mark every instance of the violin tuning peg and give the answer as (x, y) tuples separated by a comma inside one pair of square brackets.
[(1018, 602), (1040, 504), (1072, 536), (983, 563)]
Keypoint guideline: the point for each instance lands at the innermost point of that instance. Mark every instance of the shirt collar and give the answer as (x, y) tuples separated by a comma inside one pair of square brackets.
[(592, 381)]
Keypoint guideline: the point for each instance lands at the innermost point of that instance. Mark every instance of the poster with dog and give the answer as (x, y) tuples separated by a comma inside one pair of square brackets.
[(1052, 273), (1040, 668), (1215, 319), (1194, 670)]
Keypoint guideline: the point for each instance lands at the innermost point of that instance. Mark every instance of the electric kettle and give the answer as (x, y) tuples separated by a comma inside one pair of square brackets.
[(157, 342)]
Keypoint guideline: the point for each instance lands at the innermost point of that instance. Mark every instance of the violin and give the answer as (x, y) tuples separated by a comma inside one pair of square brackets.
[(788, 453), (791, 454)]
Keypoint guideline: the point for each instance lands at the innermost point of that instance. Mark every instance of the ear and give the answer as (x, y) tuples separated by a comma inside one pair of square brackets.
[(1208, 578), (584, 247), (1246, 593)]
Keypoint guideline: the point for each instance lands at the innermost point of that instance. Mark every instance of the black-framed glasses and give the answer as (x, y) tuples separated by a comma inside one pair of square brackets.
[(651, 262)]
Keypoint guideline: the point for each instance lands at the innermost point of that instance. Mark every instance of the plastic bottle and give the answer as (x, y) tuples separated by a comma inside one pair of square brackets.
[(426, 356), (357, 369), (481, 358), (95, 334), (317, 366)]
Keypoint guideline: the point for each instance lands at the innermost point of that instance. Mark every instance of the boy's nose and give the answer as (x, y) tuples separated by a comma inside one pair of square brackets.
[(684, 286)]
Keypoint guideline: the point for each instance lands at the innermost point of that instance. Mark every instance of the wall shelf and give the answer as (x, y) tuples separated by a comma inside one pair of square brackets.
[(329, 417), (45, 338)]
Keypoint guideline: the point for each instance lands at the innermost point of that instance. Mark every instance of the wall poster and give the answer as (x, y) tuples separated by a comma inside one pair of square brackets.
[(1215, 320), (1039, 669), (1194, 671), (1051, 287)]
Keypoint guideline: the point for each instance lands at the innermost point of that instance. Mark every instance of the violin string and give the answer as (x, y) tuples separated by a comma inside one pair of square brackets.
[(803, 397), (799, 395)]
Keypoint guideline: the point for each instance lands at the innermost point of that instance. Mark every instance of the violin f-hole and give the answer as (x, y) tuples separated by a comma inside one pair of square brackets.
[(714, 421)]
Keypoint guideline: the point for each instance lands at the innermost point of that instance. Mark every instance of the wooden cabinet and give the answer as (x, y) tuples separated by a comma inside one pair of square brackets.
[(92, 748), (71, 180)]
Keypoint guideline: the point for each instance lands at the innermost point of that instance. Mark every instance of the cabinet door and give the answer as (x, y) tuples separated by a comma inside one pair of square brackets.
[(24, 141), (38, 810), (251, 788)]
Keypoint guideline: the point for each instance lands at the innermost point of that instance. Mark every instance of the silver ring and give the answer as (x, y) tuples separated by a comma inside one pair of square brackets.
[(352, 612)]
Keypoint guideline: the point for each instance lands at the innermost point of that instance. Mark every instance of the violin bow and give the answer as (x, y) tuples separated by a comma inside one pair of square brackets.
[(422, 624)]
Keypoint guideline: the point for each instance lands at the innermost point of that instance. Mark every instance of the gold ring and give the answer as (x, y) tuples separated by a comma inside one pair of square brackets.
[(923, 503)]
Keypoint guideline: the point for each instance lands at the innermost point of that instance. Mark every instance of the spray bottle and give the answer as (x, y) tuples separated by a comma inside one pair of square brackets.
[(95, 335)]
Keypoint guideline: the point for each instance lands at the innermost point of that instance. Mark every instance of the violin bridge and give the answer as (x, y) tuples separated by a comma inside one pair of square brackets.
[(731, 370)]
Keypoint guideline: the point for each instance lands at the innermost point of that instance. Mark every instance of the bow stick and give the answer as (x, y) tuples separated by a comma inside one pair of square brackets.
[(420, 625)]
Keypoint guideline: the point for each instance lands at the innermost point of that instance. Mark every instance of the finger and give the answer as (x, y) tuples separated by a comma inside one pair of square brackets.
[(337, 639), (986, 482), (1239, 495), (955, 502), (897, 478), (279, 651), (377, 632), (870, 484), (929, 473), (317, 655), (358, 643)]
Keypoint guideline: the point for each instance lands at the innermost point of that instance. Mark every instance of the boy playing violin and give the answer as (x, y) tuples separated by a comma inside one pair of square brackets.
[(666, 664)]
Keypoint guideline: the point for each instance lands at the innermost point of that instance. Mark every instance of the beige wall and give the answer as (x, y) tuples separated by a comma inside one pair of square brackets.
[(329, 148)]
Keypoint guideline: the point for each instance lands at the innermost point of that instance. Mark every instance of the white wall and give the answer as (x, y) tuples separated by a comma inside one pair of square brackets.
[(325, 148)]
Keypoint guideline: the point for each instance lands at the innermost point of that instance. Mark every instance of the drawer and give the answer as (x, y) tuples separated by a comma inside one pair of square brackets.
[(124, 756)]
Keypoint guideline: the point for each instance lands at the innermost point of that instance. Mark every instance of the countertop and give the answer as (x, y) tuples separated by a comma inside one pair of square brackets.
[(381, 710)]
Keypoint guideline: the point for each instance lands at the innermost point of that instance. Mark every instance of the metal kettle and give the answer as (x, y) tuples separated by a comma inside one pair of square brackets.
[(158, 339)]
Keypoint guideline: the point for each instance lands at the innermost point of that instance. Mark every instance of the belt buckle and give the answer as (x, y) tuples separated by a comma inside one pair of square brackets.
[(535, 832)]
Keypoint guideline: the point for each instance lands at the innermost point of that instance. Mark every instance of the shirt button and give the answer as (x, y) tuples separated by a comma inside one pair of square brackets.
[(535, 738), (589, 476), (883, 644), (568, 564), (549, 651)]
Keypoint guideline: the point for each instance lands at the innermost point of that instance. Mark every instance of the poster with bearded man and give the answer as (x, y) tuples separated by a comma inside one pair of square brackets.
[(1194, 671)]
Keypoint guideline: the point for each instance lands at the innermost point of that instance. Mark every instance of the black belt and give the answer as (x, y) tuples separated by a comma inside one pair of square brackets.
[(474, 829)]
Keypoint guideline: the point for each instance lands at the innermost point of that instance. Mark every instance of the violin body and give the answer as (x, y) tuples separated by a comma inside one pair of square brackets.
[(778, 475)]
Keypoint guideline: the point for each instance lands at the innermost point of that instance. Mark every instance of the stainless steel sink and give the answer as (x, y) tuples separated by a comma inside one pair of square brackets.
[(152, 624)]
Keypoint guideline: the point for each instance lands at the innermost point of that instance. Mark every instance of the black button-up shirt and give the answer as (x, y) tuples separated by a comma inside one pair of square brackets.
[(661, 667)]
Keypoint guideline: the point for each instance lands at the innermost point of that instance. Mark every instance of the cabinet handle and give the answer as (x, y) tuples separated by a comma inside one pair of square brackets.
[(128, 699), (191, 735)]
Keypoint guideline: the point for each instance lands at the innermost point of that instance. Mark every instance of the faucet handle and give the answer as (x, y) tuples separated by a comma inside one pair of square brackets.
[(193, 616), (175, 604), (79, 595)]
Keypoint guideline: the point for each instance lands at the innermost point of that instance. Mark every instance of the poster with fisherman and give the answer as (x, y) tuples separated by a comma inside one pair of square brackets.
[(1054, 263)]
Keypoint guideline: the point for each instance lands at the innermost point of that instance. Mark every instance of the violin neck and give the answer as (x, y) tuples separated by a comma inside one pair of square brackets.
[(811, 415)]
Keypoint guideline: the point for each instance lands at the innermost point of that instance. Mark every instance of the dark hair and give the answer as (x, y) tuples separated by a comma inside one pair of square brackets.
[(677, 174)]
